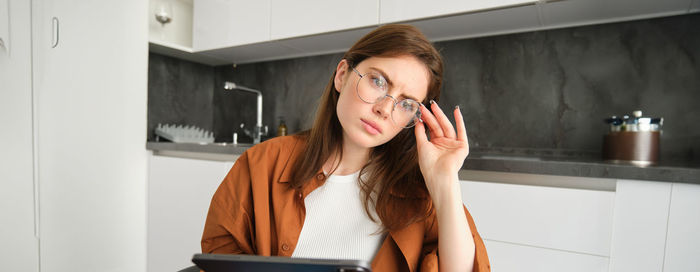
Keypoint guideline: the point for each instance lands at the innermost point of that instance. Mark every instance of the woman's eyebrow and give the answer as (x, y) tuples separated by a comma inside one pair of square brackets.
[(389, 81)]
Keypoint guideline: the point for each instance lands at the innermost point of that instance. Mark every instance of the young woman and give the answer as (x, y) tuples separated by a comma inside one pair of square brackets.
[(366, 182)]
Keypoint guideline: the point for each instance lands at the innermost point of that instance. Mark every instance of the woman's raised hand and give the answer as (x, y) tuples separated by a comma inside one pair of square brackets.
[(440, 157)]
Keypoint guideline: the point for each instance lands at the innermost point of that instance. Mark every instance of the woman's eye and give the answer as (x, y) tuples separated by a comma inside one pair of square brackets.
[(379, 82), (408, 106)]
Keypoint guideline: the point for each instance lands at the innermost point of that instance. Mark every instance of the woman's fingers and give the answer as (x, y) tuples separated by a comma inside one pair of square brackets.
[(461, 129), (445, 124), (420, 133), (431, 122)]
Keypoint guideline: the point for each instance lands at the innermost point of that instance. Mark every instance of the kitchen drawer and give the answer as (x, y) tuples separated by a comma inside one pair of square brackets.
[(575, 220), (505, 257)]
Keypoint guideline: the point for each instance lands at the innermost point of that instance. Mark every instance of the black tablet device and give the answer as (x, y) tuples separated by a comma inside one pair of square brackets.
[(236, 263)]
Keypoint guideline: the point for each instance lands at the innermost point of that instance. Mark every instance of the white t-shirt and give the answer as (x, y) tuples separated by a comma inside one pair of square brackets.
[(336, 224)]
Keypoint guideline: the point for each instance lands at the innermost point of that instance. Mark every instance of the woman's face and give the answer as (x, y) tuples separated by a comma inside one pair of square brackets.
[(368, 125)]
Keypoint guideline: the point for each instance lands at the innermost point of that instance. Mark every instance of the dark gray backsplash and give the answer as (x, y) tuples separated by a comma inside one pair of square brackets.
[(291, 89), (538, 90), (179, 92), (552, 89)]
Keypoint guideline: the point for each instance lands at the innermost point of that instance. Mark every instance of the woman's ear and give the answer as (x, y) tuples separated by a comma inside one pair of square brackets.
[(341, 73)]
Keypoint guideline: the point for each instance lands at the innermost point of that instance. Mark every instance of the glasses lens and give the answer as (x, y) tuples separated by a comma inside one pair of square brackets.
[(371, 88), (406, 113)]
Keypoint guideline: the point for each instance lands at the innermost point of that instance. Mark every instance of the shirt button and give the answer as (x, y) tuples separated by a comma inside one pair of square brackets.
[(285, 247)]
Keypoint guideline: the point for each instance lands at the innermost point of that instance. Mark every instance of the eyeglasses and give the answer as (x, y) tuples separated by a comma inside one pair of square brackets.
[(372, 88)]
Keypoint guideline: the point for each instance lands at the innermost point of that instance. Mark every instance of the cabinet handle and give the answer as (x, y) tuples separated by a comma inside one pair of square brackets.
[(54, 37)]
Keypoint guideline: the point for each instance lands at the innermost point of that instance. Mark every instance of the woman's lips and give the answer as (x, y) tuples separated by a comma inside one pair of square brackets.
[(371, 127)]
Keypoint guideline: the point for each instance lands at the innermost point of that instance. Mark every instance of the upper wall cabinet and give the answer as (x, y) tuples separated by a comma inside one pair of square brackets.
[(239, 31), (485, 23), (307, 17), (586, 12), (404, 10), (176, 27), (226, 23), (170, 30)]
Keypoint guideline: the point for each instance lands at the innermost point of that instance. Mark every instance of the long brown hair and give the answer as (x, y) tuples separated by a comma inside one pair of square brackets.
[(391, 181)]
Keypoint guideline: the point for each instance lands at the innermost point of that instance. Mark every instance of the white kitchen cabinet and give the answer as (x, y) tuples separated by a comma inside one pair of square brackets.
[(407, 10), (226, 23), (683, 237), (584, 12), (176, 33), (509, 257), (307, 17), (639, 228), (19, 245), (557, 226), (179, 193), (175, 38), (486, 23), (237, 31), (572, 220), (90, 89)]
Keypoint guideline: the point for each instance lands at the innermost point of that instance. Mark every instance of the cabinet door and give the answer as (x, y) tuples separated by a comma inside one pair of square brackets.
[(405, 10), (509, 257), (307, 17), (222, 23), (573, 220), (520, 19), (177, 32), (582, 12), (179, 193), (19, 248), (640, 224), (683, 238), (90, 86)]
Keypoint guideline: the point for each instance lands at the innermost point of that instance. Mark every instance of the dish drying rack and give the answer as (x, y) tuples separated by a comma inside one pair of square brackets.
[(184, 134)]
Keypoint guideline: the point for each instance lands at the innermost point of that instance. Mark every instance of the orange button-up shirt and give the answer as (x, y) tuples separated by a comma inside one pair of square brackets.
[(255, 211)]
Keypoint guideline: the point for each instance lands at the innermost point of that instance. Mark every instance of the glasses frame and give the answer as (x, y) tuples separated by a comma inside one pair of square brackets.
[(395, 101)]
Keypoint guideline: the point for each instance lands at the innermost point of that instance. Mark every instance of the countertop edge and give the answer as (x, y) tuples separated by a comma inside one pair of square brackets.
[(478, 162)]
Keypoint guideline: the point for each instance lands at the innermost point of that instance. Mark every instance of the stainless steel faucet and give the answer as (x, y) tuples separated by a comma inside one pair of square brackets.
[(259, 130)]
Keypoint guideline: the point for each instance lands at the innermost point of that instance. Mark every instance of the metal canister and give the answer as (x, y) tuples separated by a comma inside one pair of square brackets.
[(632, 139)]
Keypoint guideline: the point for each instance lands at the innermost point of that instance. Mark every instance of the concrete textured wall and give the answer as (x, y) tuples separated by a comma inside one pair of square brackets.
[(537, 90)]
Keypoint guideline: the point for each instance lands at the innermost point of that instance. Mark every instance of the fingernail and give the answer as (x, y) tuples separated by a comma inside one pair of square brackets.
[(432, 101), (420, 120), (457, 107)]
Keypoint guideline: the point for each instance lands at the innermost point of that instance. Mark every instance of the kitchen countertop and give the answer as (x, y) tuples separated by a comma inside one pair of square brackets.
[(530, 161)]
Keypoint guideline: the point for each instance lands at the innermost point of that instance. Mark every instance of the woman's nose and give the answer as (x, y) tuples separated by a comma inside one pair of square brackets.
[(383, 107)]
